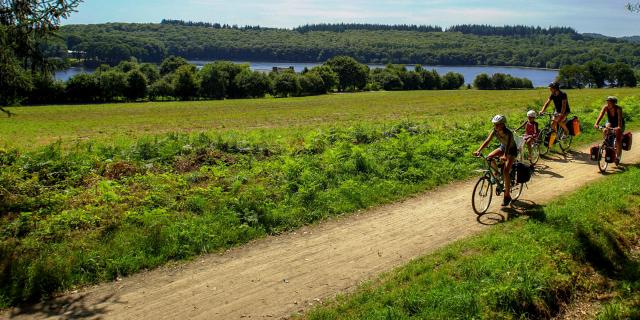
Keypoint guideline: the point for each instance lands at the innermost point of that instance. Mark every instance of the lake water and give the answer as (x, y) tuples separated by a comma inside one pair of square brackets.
[(539, 77)]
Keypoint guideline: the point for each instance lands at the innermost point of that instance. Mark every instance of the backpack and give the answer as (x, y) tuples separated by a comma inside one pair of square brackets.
[(523, 172)]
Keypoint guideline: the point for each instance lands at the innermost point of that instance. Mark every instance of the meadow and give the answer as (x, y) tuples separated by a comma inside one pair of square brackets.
[(93, 192)]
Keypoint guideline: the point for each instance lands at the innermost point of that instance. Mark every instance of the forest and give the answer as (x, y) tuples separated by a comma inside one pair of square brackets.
[(368, 43)]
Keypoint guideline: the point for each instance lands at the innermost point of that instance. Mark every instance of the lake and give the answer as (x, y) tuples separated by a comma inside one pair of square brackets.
[(539, 77)]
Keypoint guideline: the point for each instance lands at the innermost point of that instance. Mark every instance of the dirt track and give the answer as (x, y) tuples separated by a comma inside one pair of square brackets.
[(275, 277)]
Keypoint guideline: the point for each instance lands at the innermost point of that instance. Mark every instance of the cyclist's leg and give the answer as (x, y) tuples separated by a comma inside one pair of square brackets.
[(507, 180), (562, 121), (495, 154), (618, 132)]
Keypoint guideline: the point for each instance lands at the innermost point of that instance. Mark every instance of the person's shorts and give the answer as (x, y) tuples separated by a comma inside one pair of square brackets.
[(513, 151)]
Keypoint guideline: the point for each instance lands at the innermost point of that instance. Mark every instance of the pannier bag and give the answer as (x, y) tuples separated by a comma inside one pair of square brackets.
[(595, 149), (626, 141), (523, 172), (549, 139), (574, 126), (609, 155)]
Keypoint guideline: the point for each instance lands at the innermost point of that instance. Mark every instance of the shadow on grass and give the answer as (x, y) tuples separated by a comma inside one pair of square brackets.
[(71, 307)]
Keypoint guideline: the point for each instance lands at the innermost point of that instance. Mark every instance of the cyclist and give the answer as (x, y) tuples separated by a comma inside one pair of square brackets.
[(531, 131), (561, 104), (615, 122), (508, 151)]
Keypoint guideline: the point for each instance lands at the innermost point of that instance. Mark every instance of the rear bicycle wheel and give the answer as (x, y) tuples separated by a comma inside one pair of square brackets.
[(602, 164), (534, 155), (482, 194), (564, 142)]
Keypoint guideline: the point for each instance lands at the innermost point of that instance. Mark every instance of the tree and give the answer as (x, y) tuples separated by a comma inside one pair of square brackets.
[(633, 7), (214, 81), (311, 83), (621, 75), (150, 71), (452, 80), (286, 84), (386, 79), (136, 85), (483, 82), (329, 77), (253, 84), (430, 79), (83, 87), (23, 25), (162, 88), (185, 82), (596, 71), (113, 84), (352, 75), (572, 76), (171, 64)]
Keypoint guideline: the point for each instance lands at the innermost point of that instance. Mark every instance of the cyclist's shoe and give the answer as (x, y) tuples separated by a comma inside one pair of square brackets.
[(506, 201), (498, 189)]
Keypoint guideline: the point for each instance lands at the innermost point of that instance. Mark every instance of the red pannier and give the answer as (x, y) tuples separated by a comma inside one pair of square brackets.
[(595, 149), (609, 155), (626, 141)]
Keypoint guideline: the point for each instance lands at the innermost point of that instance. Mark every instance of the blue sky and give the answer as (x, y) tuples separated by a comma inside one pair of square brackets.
[(607, 17)]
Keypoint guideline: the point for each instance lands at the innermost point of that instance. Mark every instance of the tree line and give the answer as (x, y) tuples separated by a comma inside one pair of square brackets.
[(597, 74), (500, 81), (177, 79), (543, 48)]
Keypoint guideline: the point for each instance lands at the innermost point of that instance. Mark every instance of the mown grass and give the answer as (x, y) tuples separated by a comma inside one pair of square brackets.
[(79, 213), (41, 125), (526, 268)]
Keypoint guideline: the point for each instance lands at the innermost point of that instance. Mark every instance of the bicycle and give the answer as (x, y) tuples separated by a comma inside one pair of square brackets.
[(483, 190), (523, 150), (608, 142), (563, 139)]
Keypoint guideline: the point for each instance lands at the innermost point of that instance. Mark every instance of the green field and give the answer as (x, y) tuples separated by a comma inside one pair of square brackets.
[(523, 269), (35, 126), (90, 193)]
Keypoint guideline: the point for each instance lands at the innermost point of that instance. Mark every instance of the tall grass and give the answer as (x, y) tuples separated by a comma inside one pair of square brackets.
[(93, 211), (526, 268)]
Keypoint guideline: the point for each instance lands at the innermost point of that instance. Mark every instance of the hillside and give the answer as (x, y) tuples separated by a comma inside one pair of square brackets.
[(462, 45)]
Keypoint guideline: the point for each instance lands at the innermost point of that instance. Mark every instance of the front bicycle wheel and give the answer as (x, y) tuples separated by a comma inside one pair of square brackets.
[(534, 155), (602, 164), (565, 141), (482, 194)]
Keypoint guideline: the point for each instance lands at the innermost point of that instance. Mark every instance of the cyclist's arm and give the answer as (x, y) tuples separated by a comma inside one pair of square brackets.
[(545, 105), (485, 143), (599, 118), (522, 125), (620, 118)]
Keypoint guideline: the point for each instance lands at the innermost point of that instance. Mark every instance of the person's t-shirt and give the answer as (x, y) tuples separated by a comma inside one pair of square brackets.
[(557, 101)]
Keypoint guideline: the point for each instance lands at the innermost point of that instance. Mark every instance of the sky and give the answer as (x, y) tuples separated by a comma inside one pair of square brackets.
[(608, 17)]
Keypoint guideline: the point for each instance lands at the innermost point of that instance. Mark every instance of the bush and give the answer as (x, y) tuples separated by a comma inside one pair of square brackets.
[(286, 84)]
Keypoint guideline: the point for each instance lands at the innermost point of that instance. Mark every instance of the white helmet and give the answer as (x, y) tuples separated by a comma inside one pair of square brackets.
[(531, 114), (499, 119)]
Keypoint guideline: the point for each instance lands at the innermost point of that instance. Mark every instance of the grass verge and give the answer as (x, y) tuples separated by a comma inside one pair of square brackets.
[(526, 268)]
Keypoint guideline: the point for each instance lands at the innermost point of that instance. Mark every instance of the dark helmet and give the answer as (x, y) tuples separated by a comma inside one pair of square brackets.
[(554, 85)]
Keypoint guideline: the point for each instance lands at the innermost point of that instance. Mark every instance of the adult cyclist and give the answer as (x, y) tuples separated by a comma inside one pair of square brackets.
[(508, 151), (561, 104), (615, 122)]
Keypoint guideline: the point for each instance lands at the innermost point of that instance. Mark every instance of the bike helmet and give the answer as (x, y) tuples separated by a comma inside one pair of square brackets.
[(612, 98), (554, 85), (531, 114), (499, 119)]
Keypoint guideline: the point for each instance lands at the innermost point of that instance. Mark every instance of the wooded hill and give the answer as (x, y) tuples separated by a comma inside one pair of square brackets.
[(368, 43)]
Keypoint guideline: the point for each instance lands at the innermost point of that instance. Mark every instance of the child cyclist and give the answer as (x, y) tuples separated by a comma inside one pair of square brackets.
[(508, 151), (531, 131)]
